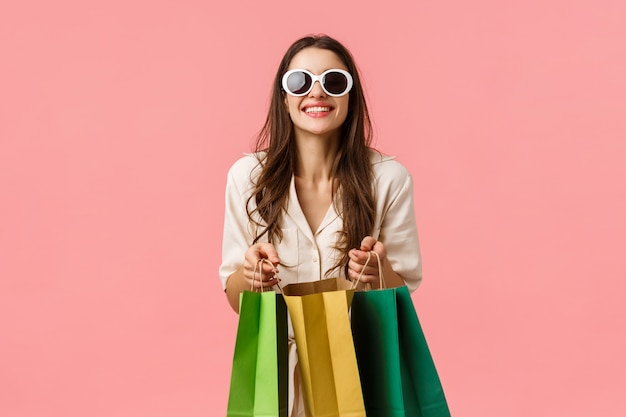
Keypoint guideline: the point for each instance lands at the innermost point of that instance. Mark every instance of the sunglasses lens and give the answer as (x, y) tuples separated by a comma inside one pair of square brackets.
[(335, 82), (298, 82)]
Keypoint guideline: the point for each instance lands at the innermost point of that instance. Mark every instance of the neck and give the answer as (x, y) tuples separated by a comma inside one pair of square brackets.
[(316, 156)]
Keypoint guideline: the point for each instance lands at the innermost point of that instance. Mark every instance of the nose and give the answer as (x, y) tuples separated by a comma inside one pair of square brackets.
[(317, 90)]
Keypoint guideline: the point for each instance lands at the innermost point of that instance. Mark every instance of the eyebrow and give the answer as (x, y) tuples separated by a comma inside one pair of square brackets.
[(327, 69)]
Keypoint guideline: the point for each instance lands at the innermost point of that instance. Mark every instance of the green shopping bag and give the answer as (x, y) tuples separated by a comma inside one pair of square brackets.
[(398, 375), (258, 384)]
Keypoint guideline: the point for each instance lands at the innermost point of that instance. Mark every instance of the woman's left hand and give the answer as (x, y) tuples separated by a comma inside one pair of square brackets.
[(358, 259)]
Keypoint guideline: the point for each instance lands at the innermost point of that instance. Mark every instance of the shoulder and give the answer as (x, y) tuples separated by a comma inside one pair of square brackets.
[(247, 167), (248, 163), (387, 169), (244, 172)]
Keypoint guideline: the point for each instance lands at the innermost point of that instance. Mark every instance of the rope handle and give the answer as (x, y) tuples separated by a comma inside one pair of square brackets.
[(260, 269), (380, 272)]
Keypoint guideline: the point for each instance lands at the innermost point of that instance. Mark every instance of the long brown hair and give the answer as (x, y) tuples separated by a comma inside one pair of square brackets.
[(352, 168)]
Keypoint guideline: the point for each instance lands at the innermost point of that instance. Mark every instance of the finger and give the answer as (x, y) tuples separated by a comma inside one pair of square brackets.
[(268, 268), (264, 274), (359, 256), (379, 248), (264, 284), (368, 243), (268, 251), (267, 284), (262, 250), (263, 280), (364, 278), (359, 268), (363, 259), (256, 272), (355, 266)]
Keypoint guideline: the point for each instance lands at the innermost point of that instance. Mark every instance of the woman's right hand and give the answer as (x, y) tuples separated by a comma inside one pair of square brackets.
[(265, 274)]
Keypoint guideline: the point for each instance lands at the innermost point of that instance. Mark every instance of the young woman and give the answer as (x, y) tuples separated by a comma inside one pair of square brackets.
[(315, 198)]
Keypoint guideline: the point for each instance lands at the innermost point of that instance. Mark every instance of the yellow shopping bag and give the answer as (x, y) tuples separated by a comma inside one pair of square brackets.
[(326, 355)]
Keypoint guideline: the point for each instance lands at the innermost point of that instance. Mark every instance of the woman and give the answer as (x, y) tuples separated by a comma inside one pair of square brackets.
[(315, 198)]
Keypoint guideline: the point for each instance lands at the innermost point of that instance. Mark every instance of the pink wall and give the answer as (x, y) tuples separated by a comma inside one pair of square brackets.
[(119, 119)]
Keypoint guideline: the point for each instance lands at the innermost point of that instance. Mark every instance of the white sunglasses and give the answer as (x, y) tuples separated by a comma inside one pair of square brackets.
[(334, 82)]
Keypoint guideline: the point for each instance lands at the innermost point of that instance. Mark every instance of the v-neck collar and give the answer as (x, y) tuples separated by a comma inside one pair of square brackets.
[(294, 211)]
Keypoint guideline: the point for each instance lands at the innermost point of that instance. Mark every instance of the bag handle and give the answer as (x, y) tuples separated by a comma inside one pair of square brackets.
[(259, 266), (383, 285)]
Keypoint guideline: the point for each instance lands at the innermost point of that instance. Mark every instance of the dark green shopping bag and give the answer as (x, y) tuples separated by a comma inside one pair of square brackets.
[(398, 376), (258, 384)]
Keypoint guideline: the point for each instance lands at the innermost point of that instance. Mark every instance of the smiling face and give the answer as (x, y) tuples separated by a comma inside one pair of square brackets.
[(317, 113)]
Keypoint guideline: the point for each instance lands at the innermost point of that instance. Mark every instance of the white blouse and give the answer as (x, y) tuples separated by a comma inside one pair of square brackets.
[(306, 255)]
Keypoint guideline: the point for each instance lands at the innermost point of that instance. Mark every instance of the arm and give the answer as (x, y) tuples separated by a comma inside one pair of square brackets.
[(400, 252), (239, 255)]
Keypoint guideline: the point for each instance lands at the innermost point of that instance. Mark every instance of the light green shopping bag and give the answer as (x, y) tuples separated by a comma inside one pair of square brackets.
[(258, 385)]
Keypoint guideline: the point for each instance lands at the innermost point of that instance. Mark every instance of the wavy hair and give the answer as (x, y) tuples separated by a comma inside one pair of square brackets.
[(276, 149)]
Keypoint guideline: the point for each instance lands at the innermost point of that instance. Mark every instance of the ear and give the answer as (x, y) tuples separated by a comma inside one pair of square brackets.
[(285, 102)]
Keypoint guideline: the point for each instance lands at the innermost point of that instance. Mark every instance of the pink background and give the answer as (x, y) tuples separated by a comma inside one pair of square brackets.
[(119, 120)]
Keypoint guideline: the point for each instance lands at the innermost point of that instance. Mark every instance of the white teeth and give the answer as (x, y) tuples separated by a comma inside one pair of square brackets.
[(316, 109)]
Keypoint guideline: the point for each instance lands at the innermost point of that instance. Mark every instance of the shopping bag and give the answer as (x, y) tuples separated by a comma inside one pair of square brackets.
[(398, 375), (328, 369), (258, 385)]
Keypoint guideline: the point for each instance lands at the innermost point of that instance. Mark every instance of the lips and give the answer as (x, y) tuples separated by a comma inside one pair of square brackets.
[(318, 108)]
